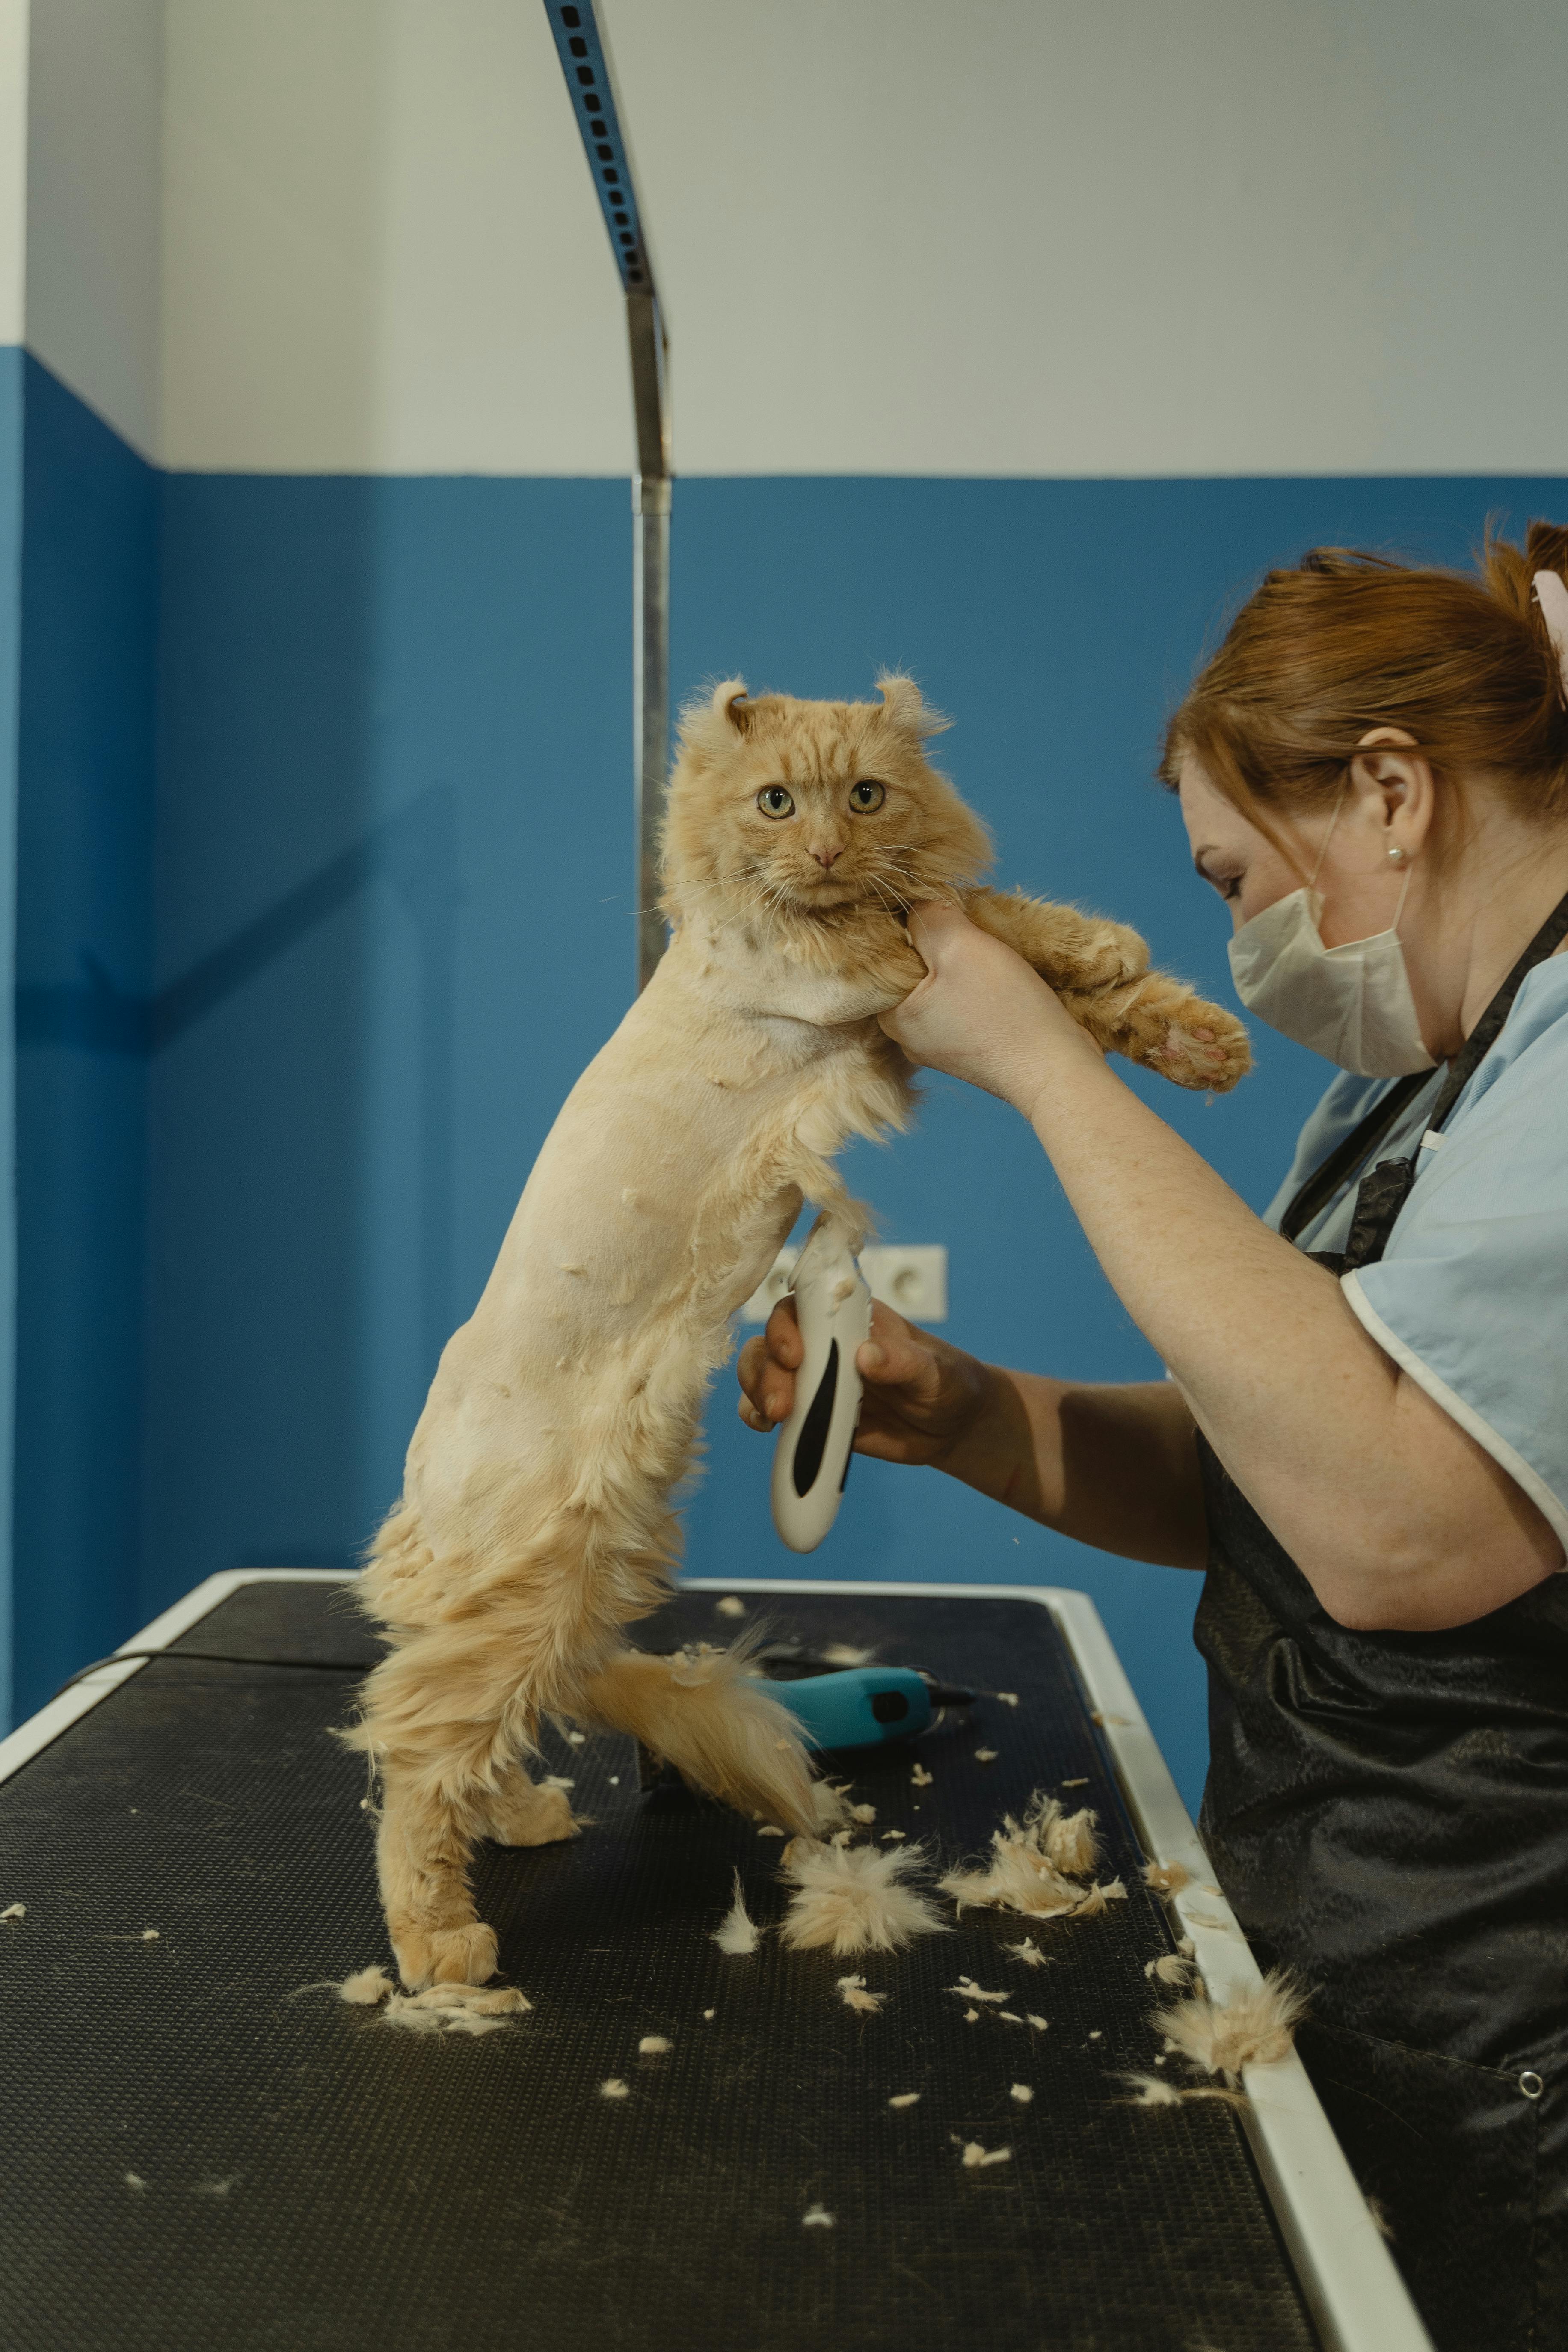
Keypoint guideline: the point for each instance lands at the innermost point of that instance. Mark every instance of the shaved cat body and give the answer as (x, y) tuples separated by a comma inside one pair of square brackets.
[(535, 1521)]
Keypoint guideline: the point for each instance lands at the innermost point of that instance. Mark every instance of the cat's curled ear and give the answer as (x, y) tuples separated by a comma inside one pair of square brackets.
[(711, 723), (729, 703), (903, 708)]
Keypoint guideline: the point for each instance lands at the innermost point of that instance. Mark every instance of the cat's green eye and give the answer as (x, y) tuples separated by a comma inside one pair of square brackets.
[(773, 801), (867, 795)]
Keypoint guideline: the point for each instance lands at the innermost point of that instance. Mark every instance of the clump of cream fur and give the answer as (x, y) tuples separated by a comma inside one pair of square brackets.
[(536, 1521), (365, 1990), (855, 1898), (852, 1992), (455, 2009), (1155, 2091), (737, 1933), (1034, 1864), (1256, 2028)]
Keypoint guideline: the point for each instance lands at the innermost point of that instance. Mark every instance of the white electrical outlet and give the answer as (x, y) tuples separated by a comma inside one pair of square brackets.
[(912, 1278), (909, 1276)]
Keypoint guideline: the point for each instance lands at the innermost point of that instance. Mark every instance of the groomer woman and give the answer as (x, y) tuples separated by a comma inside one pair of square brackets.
[(1364, 1441)]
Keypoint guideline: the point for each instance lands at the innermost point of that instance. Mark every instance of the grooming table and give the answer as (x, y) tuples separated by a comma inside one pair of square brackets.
[(203, 2147)]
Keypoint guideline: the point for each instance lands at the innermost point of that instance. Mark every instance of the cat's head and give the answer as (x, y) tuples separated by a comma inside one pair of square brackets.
[(791, 810)]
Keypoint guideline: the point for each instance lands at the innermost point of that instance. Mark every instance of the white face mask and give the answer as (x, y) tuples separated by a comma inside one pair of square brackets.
[(1352, 1003)]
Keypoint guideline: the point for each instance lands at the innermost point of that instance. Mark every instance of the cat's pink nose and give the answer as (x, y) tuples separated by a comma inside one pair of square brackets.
[(824, 857)]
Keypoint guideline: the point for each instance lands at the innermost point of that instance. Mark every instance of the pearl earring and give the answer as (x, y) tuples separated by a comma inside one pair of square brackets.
[(1396, 856)]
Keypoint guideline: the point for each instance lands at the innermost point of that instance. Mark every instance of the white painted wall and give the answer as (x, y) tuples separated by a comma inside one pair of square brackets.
[(380, 247), (1014, 236), (94, 204), (12, 169)]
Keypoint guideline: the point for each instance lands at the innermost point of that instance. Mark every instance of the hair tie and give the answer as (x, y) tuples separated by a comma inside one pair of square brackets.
[(1552, 595)]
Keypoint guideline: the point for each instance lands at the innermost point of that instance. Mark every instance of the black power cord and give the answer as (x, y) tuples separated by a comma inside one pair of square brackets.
[(219, 1658)]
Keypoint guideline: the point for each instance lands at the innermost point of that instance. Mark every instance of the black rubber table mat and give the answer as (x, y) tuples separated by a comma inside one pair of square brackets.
[(314, 2180)]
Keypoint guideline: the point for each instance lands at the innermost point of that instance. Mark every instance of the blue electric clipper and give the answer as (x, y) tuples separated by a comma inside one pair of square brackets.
[(860, 1707)]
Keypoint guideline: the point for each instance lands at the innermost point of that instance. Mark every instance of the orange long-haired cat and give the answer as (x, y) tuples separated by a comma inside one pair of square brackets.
[(534, 1523)]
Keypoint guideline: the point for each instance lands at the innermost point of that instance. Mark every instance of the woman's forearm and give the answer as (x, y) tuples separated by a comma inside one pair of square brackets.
[(1394, 1515), (1112, 1466), (1397, 1518)]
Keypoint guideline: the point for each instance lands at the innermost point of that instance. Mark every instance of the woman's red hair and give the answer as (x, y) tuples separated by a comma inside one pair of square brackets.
[(1346, 642)]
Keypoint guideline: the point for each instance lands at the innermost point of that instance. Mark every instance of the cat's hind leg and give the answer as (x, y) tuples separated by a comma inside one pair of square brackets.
[(427, 1832), (440, 1718)]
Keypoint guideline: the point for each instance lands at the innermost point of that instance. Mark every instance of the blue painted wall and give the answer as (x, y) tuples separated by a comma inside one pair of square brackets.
[(393, 919), (10, 411), (394, 763), (84, 843)]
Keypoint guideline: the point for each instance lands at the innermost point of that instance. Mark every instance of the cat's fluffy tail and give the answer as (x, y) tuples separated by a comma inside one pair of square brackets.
[(716, 1722)]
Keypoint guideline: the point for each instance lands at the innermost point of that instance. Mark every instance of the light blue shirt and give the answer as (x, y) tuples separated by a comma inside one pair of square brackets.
[(1470, 1298)]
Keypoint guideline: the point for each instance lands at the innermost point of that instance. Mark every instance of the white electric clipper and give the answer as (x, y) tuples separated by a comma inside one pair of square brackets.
[(811, 1459)]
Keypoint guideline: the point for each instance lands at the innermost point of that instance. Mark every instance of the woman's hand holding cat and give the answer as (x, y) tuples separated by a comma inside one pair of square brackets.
[(981, 1014), (922, 1398)]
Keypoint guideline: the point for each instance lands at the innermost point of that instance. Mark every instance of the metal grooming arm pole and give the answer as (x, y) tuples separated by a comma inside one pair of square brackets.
[(585, 59)]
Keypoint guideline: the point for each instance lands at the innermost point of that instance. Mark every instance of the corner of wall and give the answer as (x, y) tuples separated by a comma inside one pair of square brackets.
[(83, 732), (11, 412)]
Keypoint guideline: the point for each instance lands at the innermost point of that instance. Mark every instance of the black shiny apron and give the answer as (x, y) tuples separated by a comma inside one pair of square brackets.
[(1388, 1815)]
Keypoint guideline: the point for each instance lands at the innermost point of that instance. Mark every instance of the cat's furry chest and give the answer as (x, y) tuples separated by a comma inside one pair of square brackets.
[(672, 1175), (826, 978)]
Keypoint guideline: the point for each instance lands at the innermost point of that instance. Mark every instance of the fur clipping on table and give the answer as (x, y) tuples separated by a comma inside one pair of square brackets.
[(366, 1987), (852, 1992), (854, 1898), (737, 1933), (1166, 1877), (1155, 2091), (1252, 2029), (453, 2008), (967, 1989), (1034, 1864)]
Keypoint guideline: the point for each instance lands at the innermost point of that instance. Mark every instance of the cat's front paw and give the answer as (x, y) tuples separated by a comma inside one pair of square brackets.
[(466, 1955), (1204, 1046)]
